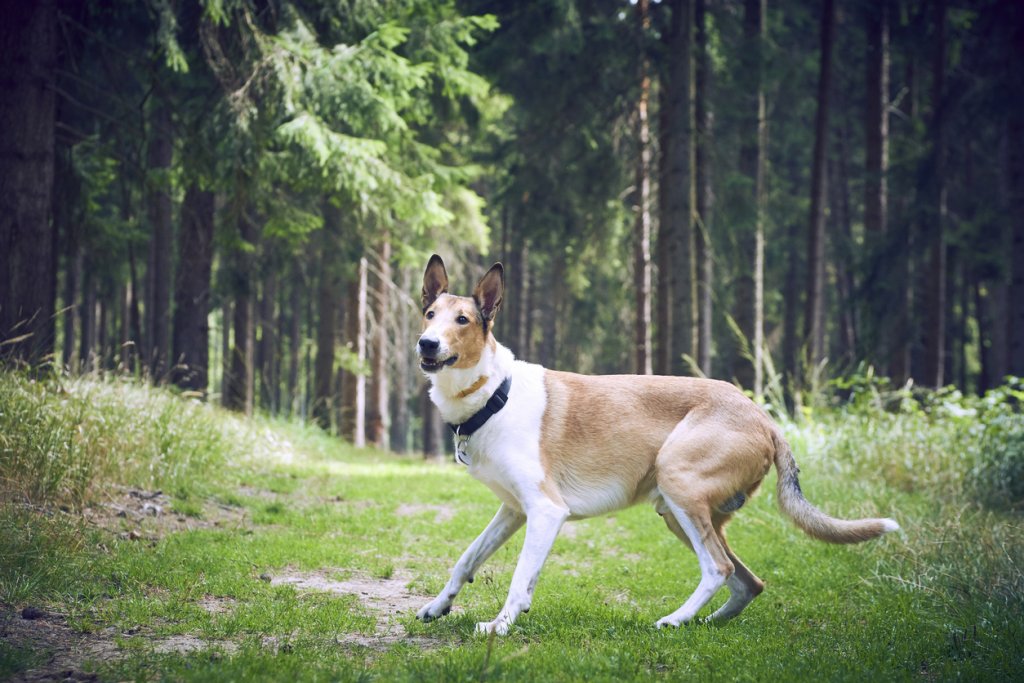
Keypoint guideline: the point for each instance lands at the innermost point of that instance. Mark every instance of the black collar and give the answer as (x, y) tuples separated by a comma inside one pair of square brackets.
[(495, 403)]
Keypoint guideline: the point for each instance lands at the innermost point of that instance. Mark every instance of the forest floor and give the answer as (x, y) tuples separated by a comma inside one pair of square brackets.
[(310, 564)]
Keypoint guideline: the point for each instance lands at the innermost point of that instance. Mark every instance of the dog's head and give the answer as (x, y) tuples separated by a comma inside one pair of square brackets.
[(457, 329)]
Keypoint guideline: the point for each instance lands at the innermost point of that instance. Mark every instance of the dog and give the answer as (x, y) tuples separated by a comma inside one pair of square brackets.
[(556, 446)]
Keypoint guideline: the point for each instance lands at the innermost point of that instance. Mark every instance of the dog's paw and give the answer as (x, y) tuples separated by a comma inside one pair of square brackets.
[(437, 608), (497, 627), (672, 621)]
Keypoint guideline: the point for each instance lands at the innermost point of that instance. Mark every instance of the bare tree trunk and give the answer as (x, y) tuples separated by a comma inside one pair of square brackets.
[(1015, 300), (403, 387), (296, 287), (72, 289), (353, 415), (227, 315), (748, 371), (905, 277), (524, 328), (268, 340), (842, 257), (642, 231), (87, 342), (28, 273), (433, 427), (705, 198), (239, 391), (158, 202), (551, 307), (814, 317), (676, 271), (1014, 293), (935, 293), (878, 288), (378, 417), (192, 291), (329, 293)]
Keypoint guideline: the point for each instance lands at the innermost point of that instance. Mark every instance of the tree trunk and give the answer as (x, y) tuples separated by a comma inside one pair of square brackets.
[(705, 199), (814, 316), (1015, 177), (296, 289), (353, 406), (433, 427), (748, 368), (524, 329), (329, 292), (403, 389), (191, 368), (935, 292), (642, 230), (378, 415), (28, 274), (158, 202), (878, 287), (842, 256), (239, 392), (675, 314), (901, 351), (551, 307), (268, 339), (87, 343)]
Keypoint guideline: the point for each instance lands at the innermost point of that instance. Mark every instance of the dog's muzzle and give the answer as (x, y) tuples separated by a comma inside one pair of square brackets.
[(430, 357)]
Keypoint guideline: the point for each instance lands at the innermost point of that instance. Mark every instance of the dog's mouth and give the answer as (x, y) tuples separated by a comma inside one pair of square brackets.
[(429, 364)]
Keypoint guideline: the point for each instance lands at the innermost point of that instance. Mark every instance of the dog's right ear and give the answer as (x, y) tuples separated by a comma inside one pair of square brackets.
[(435, 281)]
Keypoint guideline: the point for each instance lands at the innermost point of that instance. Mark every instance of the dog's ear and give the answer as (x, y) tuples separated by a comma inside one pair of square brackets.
[(489, 291), (435, 281)]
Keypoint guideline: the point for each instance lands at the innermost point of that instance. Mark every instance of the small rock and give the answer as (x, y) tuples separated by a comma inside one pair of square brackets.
[(122, 513), (134, 535), (152, 509), (265, 577), (33, 613)]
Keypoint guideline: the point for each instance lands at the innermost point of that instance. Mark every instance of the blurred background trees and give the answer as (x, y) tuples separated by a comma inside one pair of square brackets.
[(237, 197)]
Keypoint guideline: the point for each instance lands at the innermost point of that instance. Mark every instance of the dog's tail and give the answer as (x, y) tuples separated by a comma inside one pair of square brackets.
[(812, 520)]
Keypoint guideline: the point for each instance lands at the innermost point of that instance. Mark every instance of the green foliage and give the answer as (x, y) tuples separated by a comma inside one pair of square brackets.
[(997, 477), (970, 448)]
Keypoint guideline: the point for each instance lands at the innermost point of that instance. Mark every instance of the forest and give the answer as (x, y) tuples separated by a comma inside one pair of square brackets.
[(238, 197)]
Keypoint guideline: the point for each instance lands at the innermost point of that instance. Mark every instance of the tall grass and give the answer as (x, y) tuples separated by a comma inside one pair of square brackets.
[(61, 439)]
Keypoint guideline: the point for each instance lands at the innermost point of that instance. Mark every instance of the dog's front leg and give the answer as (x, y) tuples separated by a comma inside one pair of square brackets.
[(505, 523), (543, 521)]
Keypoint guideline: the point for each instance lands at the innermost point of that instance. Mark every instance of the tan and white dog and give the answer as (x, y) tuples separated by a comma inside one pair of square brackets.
[(556, 446)]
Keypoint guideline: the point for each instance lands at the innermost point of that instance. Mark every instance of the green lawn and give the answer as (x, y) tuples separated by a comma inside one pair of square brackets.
[(282, 554)]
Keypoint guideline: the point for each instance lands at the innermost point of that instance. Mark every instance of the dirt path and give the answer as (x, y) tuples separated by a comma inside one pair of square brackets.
[(146, 517)]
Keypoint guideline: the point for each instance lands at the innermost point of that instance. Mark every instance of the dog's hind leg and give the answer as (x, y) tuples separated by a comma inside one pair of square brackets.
[(744, 585), (715, 566), (505, 523)]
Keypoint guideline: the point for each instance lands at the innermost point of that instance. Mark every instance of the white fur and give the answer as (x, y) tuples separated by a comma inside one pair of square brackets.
[(711, 578), (504, 454)]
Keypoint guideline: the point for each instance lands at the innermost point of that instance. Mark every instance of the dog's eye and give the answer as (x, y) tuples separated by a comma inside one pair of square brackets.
[(430, 315), (462, 320)]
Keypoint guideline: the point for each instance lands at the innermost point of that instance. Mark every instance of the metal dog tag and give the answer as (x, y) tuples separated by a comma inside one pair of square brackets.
[(460, 449)]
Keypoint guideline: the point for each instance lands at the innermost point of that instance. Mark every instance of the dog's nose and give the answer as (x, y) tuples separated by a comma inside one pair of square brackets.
[(429, 345)]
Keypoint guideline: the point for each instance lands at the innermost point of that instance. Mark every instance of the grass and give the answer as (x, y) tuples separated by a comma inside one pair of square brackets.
[(939, 600)]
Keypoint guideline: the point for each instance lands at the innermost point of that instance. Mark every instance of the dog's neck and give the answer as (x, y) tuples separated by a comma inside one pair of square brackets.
[(458, 393)]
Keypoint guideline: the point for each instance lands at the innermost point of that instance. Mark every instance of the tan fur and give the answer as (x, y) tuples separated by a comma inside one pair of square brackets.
[(643, 431)]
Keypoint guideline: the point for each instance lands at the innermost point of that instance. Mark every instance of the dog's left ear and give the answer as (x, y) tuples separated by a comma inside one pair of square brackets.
[(489, 291)]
